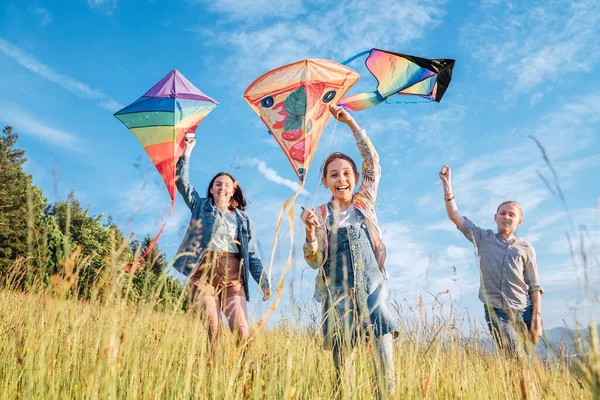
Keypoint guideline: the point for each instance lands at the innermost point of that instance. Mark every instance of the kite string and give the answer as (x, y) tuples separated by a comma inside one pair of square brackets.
[(437, 119), (328, 150)]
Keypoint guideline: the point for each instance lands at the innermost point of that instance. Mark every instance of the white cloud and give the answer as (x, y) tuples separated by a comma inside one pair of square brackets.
[(536, 98), (103, 6), (482, 182), (327, 30), (79, 88), (256, 9), (446, 225), (460, 254), (74, 86), (534, 43), (44, 15), (408, 261), (145, 208), (111, 105), (273, 176), (24, 122)]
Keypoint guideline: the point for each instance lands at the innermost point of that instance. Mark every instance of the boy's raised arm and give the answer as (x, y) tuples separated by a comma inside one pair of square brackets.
[(451, 207)]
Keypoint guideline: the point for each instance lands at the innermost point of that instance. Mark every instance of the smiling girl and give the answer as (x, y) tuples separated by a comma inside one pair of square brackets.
[(344, 243), (219, 251)]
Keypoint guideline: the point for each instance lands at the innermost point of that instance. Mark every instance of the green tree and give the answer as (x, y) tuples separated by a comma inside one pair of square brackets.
[(21, 203), (151, 283), (83, 230)]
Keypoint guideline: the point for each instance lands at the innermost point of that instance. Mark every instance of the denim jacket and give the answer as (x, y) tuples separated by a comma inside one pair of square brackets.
[(316, 253), (202, 228)]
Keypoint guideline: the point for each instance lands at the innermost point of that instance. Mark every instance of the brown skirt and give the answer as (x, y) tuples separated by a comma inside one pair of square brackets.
[(219, 274)]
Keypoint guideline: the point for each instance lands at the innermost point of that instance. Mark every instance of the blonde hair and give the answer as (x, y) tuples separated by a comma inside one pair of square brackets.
[(513, 203)]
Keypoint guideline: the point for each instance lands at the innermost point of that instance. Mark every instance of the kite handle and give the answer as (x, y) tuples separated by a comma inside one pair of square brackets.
[(354, 57)]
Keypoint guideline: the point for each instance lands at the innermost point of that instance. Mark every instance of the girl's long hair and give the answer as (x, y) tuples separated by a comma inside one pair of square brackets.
[(237, 200)]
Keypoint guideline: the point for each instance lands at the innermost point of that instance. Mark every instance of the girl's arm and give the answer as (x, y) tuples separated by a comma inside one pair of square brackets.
[(313, 252), (184, 186), (256, 266), (450, 202), (371, 168)]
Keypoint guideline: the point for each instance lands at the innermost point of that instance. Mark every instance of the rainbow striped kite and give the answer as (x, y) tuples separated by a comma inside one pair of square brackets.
[(161, 118)]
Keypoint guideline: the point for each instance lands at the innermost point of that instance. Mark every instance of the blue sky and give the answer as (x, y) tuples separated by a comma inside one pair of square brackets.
[(523, 68)]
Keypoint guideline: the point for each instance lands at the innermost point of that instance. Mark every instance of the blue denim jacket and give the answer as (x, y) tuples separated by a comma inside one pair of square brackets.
[(202, 228)]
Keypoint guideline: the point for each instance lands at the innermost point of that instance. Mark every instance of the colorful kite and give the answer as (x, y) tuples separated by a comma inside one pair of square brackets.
[(292, 101), (160, 119), (416, 79)]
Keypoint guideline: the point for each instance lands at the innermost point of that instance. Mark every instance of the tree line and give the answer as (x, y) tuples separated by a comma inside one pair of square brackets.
[(63, 248)]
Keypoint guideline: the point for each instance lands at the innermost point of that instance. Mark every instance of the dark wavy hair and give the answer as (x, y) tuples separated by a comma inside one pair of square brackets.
[(335, 156), (237, 199)]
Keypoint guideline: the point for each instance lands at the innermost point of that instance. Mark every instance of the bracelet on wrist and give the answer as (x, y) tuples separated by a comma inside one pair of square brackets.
[(449, 198)]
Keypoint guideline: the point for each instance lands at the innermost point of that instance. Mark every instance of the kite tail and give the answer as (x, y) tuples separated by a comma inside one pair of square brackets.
[(289, 202), (354, 57), (361, 101), (136, 264)]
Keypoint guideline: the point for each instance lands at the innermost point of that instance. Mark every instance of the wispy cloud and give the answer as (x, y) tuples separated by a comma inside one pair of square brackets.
[(407, 261), (529, 43), (483, 181), (43, 14), (273, 176), (416, 267), (111, 105), (329, 30), (74, 86), (103, 6), (145, 207), (22, 121), (445, 226), (257, 9)]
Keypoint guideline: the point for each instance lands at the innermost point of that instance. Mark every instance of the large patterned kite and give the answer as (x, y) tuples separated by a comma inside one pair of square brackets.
[(161, 118), (414, 78), (292, 101)]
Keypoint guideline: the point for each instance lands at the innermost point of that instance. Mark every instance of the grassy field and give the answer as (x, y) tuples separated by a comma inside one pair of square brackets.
[(54, 348)]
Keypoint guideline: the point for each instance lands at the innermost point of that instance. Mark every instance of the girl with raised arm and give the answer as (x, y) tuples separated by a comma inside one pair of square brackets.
[(219, 251), (343, 241)]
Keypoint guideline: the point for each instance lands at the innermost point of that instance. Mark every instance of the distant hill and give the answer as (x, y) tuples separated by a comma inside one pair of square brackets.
[(555, 337)]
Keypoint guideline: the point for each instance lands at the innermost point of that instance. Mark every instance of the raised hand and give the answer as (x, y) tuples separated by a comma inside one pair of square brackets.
[(189, 144), (340, 113), (344, 116), (445, 174), (446, 178)]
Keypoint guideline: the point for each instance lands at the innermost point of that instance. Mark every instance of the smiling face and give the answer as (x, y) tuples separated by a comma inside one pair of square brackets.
[(508, 217), (340, 179), (222, 189)]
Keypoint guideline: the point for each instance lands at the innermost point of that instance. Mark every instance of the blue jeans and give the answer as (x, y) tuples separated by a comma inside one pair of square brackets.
[(506, 325)]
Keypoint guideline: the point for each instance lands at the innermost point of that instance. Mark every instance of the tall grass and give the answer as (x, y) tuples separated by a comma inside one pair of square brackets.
[(55, 348)]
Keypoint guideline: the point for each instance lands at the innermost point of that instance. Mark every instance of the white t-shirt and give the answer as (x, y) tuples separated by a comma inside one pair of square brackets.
[(347, 218), (224, 239)]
